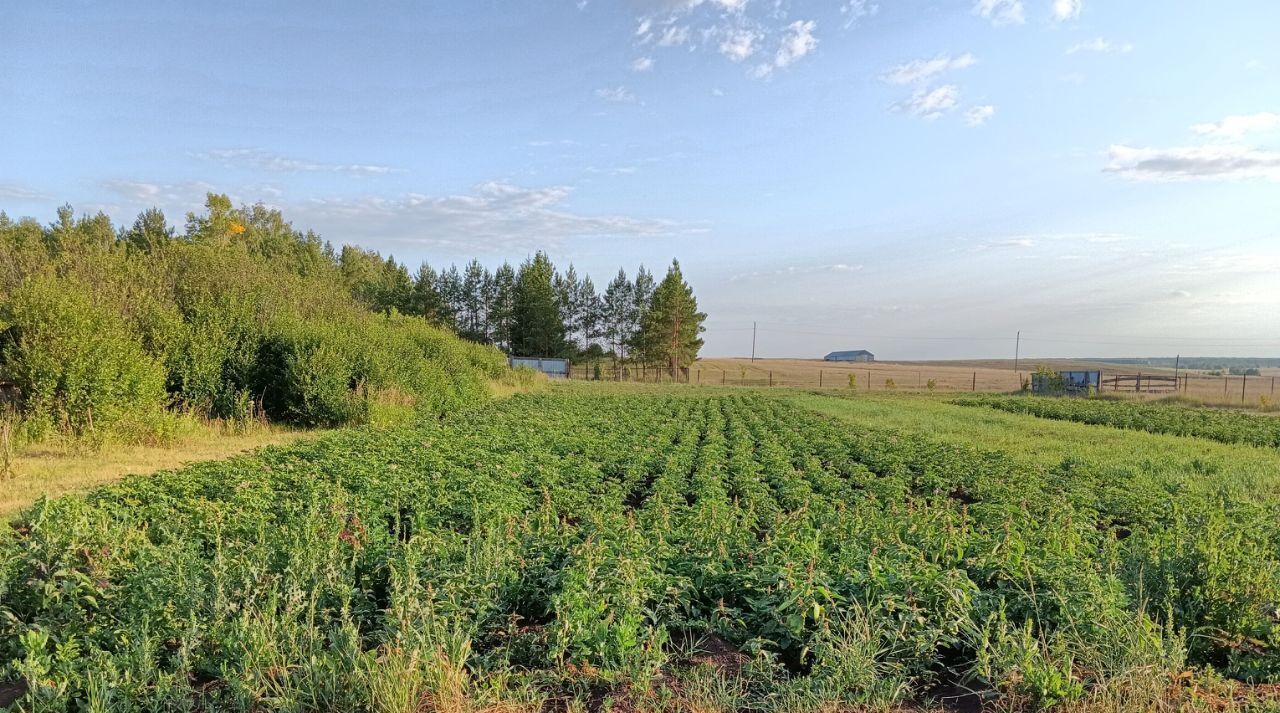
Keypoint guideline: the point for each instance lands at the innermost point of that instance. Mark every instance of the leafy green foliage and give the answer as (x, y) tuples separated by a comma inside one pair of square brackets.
[(1222, 425), (110, 335), (545, 546)]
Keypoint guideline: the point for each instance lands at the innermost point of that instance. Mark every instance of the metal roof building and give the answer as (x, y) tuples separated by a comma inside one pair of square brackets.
[(855, 355)]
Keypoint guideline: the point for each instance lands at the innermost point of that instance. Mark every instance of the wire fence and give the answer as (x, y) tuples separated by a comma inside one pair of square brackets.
[(1228, 389)]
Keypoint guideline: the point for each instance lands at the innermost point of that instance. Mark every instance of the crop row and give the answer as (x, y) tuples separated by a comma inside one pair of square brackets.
[(1221, 425), (556, 545)]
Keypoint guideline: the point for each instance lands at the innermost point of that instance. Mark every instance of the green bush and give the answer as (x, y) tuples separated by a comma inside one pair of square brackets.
[(77, 365)]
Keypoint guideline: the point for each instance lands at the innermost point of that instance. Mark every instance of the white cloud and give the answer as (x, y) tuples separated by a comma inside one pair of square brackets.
[(921, 70), (978, 115), (1015, 243), (497, 216), (796, 43), (263, 160), (617, 95), (673, 36), (642, 64), (494, 217), (1100, 44), (1226, 162), (1001, 12), (855, 10), (798, 270), (739, 44), (1234, 127), (185, 194), (1066, 9), (717, 92), (20, 192), (930, 103), (1180, 294)]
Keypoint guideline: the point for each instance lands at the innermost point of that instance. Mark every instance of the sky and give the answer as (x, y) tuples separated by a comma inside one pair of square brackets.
[(921, 178)]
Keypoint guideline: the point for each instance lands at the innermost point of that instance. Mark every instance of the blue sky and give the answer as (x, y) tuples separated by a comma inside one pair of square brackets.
[(919, 178)]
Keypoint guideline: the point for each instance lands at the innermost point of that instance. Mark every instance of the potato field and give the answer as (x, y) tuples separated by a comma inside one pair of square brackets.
[(1222, 425), (596, 549)]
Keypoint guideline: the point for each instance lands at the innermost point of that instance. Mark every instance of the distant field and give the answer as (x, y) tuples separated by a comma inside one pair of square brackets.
[(959, 375)]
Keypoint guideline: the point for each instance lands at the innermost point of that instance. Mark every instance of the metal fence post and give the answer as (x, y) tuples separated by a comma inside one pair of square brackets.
[(1244, 381), (771, 378), (975, 382)]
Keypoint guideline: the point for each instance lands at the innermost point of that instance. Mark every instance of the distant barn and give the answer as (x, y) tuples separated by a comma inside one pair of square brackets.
[(856, 355)]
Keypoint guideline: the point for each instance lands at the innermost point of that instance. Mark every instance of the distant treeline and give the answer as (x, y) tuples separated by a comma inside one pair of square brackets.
[(536, 309), (1235, 365)]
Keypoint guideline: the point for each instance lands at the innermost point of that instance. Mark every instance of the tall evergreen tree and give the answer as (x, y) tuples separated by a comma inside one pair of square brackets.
[(426, 300), (537, 328), (588, 308), (641, 295), (617, 310), (502, 306), (672, 325), (474, 302)]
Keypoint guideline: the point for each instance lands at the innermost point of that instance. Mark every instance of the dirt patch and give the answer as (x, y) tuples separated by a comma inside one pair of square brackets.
[(12, 691), (712, 650)]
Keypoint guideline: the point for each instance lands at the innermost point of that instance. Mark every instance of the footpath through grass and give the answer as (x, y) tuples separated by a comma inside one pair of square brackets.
[(652, 549)]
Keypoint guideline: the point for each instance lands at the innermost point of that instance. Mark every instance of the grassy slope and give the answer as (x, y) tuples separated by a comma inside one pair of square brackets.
[(57, 470), (1049, 442)]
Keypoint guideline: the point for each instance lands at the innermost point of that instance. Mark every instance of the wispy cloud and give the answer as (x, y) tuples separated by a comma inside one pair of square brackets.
[(185, 194), (21, 192), (798, 270), (1101, 45), (923, 70), (263, 160), (930, 103), (797, 41), (979, 115), (617, 95), (1185, 163), (642, 64), (739, 44), (855, 10), (1236, 126), (1001, 12), (496, 216)]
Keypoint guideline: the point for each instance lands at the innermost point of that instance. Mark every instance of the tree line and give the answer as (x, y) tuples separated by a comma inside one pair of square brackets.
[(537, 310)]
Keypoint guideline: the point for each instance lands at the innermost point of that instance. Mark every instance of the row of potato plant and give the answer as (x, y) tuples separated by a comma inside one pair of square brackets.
[(560, 549), (1223, 425)]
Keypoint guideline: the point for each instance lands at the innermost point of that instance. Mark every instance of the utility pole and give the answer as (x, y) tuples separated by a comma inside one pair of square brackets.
[(1017, 347), (753, 342)]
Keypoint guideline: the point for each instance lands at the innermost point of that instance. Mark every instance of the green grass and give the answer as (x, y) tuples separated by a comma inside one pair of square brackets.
[(1049, 442)]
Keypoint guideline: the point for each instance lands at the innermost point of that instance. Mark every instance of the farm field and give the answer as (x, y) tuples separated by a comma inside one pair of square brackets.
[(1215, 424), (663, 548), (982, 375)]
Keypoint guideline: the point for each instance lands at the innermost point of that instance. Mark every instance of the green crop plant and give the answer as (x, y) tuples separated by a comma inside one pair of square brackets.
[(567, 548)]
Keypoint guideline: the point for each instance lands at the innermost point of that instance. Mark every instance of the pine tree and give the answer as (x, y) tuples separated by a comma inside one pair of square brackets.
[(588, 308), (618, 308), (426, 300), (641, 296), (501, 308), (672, 323), (537, 327)]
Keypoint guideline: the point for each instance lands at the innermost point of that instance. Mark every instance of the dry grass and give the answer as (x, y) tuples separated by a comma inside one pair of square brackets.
[(979, 375), (56, 469)]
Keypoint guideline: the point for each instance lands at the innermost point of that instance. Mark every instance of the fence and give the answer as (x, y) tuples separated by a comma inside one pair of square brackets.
[(906, 377)]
